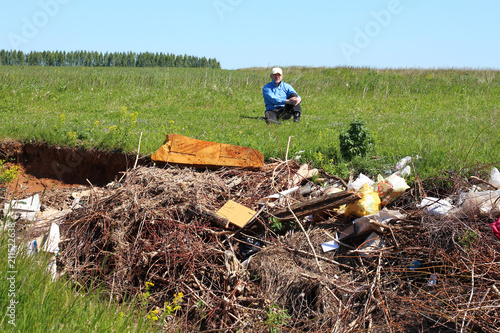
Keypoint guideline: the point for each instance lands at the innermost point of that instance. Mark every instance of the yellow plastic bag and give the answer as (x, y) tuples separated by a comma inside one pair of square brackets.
[(369, 203), (390, 188)]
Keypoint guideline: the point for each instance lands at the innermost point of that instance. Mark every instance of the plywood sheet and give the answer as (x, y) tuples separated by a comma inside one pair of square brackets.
[(179, 149)]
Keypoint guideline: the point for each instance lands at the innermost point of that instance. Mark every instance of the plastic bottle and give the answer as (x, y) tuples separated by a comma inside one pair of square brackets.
[(402, 163)]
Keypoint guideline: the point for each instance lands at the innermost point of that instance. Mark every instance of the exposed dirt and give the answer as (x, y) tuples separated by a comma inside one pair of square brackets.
[(43, 167)]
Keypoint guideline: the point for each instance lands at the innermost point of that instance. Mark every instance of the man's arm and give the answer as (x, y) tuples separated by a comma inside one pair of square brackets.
[(292, 97)]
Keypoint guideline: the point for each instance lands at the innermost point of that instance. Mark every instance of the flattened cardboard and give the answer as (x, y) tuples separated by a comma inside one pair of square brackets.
[(236, 214)]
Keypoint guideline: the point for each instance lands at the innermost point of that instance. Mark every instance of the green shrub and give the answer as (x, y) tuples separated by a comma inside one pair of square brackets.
[(356, 141)]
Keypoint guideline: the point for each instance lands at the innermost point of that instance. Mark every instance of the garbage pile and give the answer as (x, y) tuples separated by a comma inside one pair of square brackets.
[(289, 247)]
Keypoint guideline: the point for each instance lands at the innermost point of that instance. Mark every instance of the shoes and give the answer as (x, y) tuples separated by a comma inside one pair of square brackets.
[(296, 117), (272, 121)]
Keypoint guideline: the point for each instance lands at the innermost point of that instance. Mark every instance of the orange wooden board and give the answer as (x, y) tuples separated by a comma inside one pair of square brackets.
[(179, 149)]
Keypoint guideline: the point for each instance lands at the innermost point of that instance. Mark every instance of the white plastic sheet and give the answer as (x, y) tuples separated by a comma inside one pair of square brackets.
[(435, 206), (24, 208)]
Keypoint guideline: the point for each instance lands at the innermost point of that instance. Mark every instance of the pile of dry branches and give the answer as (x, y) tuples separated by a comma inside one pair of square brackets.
[(157, 226)]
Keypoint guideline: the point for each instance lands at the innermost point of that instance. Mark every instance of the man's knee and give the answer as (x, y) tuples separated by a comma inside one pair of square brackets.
[(271, 117)]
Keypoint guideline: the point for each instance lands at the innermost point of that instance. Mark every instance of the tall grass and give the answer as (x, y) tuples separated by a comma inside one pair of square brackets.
[(447, 117)]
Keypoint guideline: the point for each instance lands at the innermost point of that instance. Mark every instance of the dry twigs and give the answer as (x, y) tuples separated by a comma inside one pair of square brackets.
[(154, 227)]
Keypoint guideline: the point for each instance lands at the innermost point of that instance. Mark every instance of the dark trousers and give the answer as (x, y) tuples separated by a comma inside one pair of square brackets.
[(286, 112)]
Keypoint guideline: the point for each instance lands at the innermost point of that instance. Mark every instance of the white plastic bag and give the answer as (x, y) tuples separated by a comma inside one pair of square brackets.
[(435, 206), (360, 181), (484, 202), (495, 178), (390, 188)]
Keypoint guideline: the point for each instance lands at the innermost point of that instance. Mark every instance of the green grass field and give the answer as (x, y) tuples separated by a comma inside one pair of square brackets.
[(447, 117)]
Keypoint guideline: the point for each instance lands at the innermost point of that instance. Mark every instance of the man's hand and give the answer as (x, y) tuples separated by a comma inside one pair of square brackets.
[(293, 100)]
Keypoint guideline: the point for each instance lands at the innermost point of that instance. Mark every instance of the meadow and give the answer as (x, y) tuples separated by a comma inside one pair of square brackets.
[(447, 117)]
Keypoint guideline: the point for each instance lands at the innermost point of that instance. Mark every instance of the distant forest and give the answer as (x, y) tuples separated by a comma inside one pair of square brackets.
[(98, 59)]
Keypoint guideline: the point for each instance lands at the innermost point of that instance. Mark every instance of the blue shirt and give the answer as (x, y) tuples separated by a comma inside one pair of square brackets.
[(275, 96)]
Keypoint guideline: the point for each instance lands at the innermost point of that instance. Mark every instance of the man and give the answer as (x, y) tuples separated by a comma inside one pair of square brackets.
[(282, 101)]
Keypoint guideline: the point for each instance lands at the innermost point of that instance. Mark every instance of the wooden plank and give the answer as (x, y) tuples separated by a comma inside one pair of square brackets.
[(316, 205), (179, 149)]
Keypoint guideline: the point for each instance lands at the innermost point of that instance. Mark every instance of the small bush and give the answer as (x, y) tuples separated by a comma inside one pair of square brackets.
[(356, 141)]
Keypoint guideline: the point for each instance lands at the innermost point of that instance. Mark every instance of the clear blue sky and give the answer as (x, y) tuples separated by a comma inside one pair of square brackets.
[(258, 33)]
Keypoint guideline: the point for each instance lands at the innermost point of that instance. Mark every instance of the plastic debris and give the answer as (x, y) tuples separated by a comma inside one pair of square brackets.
[(390, 188), (48, 243), (249, 247), (434, 206), (22, 209), (304, 172), (495, 228), (483, 202), (359, 182), (52, 243), (495, 178), (406, 171), (331, 245), (432, 280), (364, 224), (282, 193), (402, 163), (415, 265), (373, 243), (381, 217), (368, 204)]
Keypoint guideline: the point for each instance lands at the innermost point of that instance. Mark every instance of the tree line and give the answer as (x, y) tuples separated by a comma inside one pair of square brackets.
[(99, 59)]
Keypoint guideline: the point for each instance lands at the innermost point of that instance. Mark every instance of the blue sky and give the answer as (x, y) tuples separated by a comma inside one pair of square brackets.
[(258, 33)]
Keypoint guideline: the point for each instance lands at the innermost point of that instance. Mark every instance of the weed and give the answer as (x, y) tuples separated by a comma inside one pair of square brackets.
[(276, 318), (8, 174), (279, 226), (356, 141), (170, 308), (468, 239), (61, 307)]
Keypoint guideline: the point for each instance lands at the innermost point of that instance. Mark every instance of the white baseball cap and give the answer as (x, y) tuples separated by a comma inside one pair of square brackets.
[(276, 70)]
